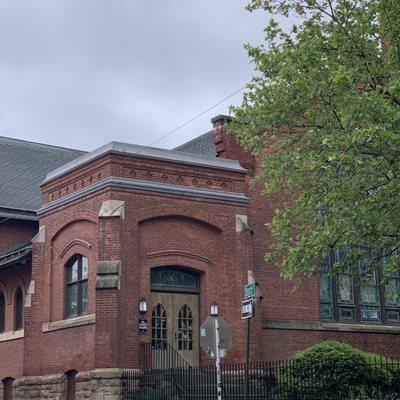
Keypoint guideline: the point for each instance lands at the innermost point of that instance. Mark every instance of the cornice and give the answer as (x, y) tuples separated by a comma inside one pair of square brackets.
[(158, 187)]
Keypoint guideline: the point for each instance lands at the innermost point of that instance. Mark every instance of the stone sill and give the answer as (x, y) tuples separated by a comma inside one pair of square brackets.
[(69, 323), (12, 335), (330, 326)]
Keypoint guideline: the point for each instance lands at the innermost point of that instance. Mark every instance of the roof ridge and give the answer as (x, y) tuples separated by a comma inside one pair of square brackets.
[(41, 144)]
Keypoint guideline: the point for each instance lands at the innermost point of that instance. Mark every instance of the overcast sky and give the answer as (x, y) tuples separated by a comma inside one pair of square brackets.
[(80, 73)]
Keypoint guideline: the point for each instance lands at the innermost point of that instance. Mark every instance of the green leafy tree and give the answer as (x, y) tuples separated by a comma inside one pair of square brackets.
[(323, 114)]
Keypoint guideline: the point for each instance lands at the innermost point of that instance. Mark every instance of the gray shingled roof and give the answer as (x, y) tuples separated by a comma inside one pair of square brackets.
[(203, 145), (23, 167)]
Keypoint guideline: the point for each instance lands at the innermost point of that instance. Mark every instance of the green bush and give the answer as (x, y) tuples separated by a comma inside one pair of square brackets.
[(331, 370)]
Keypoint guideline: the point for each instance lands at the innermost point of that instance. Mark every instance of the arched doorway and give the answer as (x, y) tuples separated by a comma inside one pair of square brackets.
[(175, 311), (8, 388)]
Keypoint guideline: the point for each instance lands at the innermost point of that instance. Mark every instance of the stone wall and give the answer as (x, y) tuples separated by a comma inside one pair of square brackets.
[(99, 384)]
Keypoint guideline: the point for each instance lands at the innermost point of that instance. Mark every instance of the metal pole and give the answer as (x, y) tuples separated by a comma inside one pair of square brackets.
[(247, 361), (218, 359)]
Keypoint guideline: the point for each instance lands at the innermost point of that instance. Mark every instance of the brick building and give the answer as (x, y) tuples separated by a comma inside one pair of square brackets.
[(86, 236)]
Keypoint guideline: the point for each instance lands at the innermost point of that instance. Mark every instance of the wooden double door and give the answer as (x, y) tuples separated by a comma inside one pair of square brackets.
[(175, 323)]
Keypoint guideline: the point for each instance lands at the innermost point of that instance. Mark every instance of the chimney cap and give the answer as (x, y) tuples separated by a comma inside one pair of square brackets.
[(221, 117)]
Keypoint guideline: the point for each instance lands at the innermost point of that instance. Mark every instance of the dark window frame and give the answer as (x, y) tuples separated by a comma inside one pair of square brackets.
[(2, 312), (356, 286), (19, 309), (79, 282)]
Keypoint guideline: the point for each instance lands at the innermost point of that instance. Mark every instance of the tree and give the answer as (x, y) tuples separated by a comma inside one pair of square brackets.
[(323, 115)]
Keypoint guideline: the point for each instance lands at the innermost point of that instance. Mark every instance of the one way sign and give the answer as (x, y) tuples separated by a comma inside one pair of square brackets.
[(247, 308)]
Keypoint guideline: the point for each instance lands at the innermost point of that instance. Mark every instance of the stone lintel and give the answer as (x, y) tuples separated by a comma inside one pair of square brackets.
[(109, 267), (107, 282), (108, 274), (12, 335), (68, 323)]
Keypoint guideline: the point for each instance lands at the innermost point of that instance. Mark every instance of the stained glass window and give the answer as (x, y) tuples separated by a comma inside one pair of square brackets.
[(362, 293), (369, 293), (325, 289), (18, 309), (77, 296), (159, 327), (392, 294), (185, 328), (345, 288), (174, 278)]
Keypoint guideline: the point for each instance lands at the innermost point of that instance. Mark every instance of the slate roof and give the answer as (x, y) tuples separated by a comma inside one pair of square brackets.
[(23, 167), (203, 145)]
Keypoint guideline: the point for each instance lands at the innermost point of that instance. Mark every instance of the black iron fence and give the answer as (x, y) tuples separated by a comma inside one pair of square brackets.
[(377, 379)]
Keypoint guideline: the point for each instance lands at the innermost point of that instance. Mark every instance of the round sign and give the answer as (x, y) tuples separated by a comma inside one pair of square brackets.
[(207, 336)]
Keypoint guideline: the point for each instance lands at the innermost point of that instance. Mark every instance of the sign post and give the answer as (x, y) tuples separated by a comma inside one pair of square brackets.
[(218, 359), (216, 341), (251, 294), (248, 309)]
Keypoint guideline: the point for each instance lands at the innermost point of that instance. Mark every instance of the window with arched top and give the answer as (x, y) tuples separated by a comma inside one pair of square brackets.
[(174, 279), (2, 312), (185, 328), (158, 327), (77, 270), (8, 388), (18, 309)]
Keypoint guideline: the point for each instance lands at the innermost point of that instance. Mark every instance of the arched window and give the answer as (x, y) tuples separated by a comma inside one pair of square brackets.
[(77, 269), (8, 388), (2, 312), (185, 328), (174, 279), (158, 327), (71, 384), (18, 309)]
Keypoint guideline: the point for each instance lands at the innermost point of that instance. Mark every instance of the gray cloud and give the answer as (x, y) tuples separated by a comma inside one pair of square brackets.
[(79, 73)]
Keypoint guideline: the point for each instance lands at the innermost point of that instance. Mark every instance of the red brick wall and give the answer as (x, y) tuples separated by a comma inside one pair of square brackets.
[(11, 351), (282, 344), (11, 360), (14, 232), (158, 230)]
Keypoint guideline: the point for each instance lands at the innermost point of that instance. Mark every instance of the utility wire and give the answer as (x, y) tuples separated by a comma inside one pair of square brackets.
[(195, 117)]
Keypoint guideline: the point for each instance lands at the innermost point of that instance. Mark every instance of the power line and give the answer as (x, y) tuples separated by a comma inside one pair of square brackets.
[(195, 117)]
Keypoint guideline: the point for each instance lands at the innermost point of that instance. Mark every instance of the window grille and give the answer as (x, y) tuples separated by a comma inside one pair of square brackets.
[(185, 328), (158, 327), (77, 270)]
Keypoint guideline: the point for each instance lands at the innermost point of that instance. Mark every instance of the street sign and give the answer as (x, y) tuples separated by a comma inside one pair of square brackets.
[(247, 308), (208, 337), (250, 290)]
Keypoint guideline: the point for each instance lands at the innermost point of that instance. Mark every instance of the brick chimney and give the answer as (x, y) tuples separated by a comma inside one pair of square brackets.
[(226, 145)]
